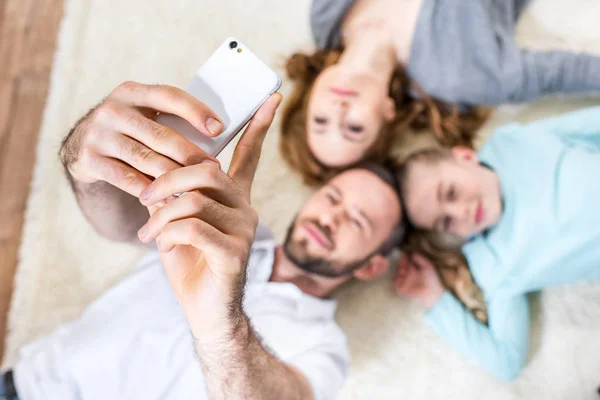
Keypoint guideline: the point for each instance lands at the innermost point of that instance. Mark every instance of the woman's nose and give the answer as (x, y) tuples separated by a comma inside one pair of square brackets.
[(343, 103)]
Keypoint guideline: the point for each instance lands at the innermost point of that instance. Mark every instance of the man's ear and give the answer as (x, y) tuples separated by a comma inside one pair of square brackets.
[(374, 268), (461, 153)]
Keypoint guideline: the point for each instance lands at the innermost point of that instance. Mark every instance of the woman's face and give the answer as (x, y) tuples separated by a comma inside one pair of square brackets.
[(346, 113)]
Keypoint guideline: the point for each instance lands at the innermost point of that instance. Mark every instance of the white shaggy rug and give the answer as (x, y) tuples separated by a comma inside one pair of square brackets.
[(65, 265)]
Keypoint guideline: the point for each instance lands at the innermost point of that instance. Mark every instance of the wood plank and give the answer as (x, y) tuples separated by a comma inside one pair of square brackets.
[(28, 32)]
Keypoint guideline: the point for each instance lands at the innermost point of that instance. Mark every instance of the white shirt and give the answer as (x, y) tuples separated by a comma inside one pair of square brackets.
[(134, 342)]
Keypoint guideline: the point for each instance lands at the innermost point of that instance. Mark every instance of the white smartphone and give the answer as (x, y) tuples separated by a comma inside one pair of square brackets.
[(234, 83)]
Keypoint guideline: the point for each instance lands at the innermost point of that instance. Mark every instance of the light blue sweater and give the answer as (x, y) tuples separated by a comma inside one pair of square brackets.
[(549, 234)]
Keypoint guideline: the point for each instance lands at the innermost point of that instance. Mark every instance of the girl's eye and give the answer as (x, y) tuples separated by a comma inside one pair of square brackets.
[(330, 198), (355, 128), (447, 223), (358, 225), (320, 120), (451, 193)]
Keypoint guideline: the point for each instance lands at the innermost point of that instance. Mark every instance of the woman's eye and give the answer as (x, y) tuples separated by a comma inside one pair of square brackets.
[(447, 223), (355, 128), (320, 120)]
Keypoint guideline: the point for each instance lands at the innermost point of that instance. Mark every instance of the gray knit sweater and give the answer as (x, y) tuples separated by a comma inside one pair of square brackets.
[(464, 52)]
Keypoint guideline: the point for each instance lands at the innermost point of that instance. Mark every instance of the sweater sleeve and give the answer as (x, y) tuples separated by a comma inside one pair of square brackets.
[(581, 127), (501, 347), (551, 72)]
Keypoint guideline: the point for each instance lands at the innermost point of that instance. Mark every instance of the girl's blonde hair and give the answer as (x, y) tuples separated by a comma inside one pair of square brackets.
[(449, 127)]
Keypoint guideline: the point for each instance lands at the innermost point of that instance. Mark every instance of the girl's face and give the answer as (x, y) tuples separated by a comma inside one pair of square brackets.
[(456, 195), (345, 115)]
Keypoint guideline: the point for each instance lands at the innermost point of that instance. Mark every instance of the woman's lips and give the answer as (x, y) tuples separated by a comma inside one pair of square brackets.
[(317, 235), (343, 92), (479, 213)]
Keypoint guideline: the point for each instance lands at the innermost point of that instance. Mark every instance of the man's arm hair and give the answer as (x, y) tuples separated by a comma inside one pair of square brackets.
[(239, 367), (112, 212)]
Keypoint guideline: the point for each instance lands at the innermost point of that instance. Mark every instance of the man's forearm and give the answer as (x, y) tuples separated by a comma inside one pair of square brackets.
[(239, 367), (112, 212)]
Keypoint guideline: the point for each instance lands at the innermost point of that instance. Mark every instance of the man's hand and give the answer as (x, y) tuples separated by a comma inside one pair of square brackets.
[(119, 142), (417, 279), (117, 149), (205, 235)]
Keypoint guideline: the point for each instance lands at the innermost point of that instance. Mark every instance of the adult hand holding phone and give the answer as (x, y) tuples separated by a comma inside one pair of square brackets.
[(140, 132), (117, 149), (118, 142), (205, 237)]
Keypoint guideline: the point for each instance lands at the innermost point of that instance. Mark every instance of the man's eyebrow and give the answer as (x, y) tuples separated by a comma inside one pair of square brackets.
[(362, 214), (336, 189), (369, 221)]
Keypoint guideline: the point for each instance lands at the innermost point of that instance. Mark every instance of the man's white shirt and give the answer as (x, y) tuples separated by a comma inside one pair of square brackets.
[(135, 343)]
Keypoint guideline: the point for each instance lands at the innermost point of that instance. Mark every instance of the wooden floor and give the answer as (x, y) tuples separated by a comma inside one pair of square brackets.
[(28, 32)]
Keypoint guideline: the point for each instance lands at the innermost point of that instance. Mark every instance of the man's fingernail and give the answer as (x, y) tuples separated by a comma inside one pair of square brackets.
[(143, 231), (212, 161), (163, 247), (214, 126), (145, 195)]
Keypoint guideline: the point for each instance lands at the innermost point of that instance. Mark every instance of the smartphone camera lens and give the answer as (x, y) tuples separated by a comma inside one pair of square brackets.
[(233, 44)]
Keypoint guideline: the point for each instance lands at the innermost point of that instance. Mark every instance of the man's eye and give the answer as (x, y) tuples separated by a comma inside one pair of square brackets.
[(447, 223), (320, 120)]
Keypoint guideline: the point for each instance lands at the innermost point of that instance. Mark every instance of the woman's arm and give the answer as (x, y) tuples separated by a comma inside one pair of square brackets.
[(541, 73)]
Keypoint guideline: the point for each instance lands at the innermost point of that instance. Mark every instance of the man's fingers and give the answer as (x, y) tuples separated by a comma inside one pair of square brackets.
[(205, 177), (137, 155), (191, 204), (190, 231), (172, 100), (247, 152), (159, 138), (121, 175)]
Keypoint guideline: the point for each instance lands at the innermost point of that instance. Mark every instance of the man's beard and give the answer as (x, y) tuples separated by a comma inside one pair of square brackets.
[(296, 252)]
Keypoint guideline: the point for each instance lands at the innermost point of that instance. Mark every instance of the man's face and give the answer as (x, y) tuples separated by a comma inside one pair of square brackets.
[(343, 224)]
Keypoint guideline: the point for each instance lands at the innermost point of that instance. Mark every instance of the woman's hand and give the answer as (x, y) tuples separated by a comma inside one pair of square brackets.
[(417, 279)]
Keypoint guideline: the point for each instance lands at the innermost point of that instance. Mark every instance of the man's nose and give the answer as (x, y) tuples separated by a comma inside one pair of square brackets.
[(331, 219)]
